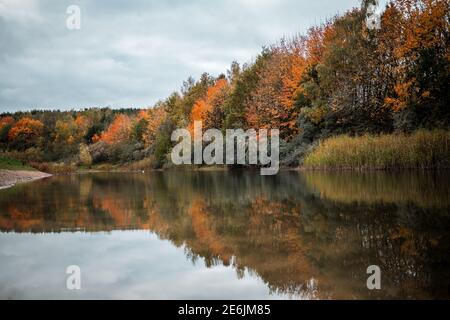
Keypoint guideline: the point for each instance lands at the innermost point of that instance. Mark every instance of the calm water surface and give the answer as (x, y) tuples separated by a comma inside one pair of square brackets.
[(227, 235)]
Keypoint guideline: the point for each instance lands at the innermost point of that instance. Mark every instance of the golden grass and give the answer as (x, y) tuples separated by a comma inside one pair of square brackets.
[(420, 150)]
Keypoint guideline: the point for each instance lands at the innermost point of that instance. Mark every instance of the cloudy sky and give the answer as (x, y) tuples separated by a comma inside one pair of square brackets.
[(134, 53)]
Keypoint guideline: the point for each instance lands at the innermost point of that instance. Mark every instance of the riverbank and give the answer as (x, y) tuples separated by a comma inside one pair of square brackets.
[(421, 150), (9, 178)]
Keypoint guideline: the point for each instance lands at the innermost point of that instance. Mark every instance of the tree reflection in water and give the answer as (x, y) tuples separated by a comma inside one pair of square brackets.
[(311, 234)]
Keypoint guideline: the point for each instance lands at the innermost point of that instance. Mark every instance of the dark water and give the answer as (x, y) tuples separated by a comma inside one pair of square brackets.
[(227, 235)]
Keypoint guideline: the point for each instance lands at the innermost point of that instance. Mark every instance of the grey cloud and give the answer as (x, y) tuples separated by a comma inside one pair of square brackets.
[(134, 53)]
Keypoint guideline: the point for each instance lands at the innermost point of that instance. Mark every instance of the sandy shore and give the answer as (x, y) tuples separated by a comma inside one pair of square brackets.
[(9, 178)]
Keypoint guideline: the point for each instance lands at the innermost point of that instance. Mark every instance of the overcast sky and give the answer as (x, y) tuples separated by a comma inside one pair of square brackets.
[(134, 53)]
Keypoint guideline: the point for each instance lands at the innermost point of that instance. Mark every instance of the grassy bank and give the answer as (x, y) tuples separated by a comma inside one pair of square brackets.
[(420, 150), (12, 164)]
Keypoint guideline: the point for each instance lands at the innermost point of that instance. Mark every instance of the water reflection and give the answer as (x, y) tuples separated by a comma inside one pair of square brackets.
[(309, 235)]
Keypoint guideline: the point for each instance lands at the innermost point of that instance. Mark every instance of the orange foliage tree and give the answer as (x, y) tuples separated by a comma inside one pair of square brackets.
[(6, 121), (5, 125), (70, 130), (272, 102), (26, 133), (83, 123), (421, 50), (118, 131), (203, 107), (154, 118)]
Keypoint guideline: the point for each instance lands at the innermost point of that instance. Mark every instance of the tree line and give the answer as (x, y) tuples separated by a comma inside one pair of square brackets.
[(339, 78)]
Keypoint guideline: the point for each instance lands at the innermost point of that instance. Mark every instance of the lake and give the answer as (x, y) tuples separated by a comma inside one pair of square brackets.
[(227, 235)]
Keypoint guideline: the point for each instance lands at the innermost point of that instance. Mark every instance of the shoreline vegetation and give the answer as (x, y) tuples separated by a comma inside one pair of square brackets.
[(420, 150), (342, 96)]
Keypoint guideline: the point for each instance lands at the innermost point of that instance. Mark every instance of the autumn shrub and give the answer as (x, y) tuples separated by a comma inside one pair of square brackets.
[(63, 151), (422, 149), (99, 152), (54, 168), (84, 155), (122, 152)]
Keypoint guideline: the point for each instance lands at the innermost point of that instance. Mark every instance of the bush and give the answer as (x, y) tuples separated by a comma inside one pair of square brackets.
[(54, 168), (116, 153), (99, 152), (84, 155)]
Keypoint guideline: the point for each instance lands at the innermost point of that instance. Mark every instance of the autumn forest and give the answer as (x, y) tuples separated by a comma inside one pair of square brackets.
[(340, 90)]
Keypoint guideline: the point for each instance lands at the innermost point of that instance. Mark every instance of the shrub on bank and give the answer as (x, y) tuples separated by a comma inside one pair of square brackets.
[(54, 168), (422, 149)]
